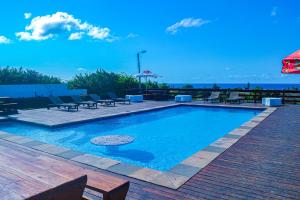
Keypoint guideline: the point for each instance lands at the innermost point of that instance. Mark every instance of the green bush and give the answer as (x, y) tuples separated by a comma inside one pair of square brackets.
[(12, 75), (101, 82), (163, 86)]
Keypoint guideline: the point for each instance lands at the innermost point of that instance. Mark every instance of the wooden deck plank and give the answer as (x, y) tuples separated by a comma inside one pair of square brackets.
[(56, 169), (243, 179)]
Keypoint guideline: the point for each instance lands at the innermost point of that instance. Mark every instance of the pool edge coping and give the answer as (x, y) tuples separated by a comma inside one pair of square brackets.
[(172, 178), (126, 113)]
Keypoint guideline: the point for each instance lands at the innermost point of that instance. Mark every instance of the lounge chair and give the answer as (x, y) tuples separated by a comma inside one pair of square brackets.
[(114, 97), (58, 103), (234, 97), (214, 97), (7, 106), (157, 95), (77, 99), (72, 190), (106, 102)]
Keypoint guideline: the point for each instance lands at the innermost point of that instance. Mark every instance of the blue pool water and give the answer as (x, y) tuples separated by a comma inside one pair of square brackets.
[(163, 138)]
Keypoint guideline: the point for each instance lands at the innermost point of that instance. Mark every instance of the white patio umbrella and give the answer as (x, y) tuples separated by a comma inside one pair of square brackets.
[(146, 74)]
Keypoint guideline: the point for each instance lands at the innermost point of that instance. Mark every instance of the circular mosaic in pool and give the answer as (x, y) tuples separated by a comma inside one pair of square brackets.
[(112, 140)]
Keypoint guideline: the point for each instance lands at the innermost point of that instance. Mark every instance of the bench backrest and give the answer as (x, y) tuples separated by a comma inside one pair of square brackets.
[(215, 95), (112, 95), (55, 100), (234, 95), (76, 98), (72, 190), (95, 97)]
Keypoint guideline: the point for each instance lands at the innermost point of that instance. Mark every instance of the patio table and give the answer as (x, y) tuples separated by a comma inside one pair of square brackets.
[(183, 98), (135, 98), (271, 101)]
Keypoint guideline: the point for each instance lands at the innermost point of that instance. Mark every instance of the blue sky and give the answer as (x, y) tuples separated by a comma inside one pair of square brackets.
[(186, 40)]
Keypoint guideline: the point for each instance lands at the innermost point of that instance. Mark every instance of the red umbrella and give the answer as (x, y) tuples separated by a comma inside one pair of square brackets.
[(146, 74), (291, 64)]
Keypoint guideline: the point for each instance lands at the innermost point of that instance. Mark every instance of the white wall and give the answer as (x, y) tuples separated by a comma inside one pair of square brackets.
[(38, 90)]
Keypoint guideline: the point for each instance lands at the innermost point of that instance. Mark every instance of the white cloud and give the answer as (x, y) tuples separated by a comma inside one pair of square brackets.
[(27, 15), (132, 35), (98, 33), (81, 69), (274, 12), (76, 36), (4, 40), (186, 23), (112, 39), (50, 26)]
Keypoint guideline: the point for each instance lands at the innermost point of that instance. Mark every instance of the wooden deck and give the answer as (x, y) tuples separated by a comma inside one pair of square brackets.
[(263, 164)]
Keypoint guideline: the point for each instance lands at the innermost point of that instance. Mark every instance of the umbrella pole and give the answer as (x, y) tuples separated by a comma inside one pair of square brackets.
[(146, 85)]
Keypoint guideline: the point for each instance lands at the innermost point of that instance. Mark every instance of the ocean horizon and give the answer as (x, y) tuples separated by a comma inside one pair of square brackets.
[(268, 86)]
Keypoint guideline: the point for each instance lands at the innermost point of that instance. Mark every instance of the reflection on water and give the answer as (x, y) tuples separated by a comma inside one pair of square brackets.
[(132, 154)]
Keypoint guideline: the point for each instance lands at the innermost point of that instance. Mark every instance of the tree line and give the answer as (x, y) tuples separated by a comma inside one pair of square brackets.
[(99, 82), (12, 76)]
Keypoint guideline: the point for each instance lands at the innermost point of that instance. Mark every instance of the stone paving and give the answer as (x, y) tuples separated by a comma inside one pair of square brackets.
[(55, 117)]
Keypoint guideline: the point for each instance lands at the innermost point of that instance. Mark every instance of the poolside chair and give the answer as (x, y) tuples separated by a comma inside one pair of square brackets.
[(106, 102), (72, 190), (114, 97), (234, 97), (90, 104), (7, 106), (214, 97), (157, 95), (58, 103)]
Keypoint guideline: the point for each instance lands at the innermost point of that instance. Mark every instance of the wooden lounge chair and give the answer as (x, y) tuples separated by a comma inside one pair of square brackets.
[(7, 106), (72, 190), (214, 97), (156, 95), (106, 102), (77, 99), (114, 97), (58, 103), (234, 97)]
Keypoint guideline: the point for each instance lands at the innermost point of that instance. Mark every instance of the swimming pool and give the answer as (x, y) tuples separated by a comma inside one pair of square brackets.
[(163, 138)]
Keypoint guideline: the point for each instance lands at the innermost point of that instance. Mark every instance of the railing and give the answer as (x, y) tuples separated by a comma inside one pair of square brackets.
[(255, 96)]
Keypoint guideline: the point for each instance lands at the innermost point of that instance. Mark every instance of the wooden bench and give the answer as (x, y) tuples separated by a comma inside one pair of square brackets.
[(27, 174), (7, 106)]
